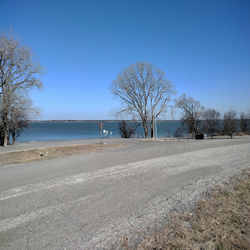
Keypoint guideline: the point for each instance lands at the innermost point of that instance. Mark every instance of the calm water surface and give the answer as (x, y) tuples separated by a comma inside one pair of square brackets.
[(43, 131)]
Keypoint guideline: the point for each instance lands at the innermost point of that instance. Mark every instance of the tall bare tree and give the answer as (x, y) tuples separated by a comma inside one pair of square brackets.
[(18, 72), (192, 112), (229, 122), (143, 91)]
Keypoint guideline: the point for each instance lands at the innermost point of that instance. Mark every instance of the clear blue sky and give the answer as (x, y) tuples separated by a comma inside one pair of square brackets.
[(202, 46)]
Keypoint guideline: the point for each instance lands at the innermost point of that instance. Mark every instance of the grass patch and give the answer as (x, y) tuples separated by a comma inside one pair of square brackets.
[(221, 221)]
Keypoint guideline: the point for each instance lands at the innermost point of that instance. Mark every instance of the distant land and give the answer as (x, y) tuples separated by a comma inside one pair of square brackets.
[(40, 121)]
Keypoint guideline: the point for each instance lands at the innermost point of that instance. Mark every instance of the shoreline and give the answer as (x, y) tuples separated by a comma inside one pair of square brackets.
[(98, 121), (45, 153), (22, 146), (19, 146)]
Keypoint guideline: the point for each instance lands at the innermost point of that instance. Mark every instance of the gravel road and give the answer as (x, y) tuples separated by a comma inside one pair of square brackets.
[(95, 200)]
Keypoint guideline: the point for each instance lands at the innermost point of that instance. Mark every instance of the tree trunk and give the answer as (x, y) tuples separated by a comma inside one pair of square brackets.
[(8, 139), (145, 127), (146, 131), (152, 128), (5, 130), (13, 139), (5, 138)]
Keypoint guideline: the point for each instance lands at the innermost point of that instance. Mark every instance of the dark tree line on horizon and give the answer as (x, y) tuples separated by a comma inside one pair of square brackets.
[(198, 120)]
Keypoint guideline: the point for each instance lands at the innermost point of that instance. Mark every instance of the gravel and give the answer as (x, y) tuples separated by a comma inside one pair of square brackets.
[(94, 201)]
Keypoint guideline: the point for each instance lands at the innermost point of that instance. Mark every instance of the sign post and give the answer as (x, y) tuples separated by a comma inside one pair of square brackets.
[(100, 125)]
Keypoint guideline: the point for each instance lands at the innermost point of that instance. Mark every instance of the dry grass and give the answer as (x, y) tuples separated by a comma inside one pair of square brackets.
[(50, 152), (221, 221), (242, 133)]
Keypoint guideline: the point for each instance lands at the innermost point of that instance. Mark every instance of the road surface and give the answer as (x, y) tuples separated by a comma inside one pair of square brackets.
[(95, 200)]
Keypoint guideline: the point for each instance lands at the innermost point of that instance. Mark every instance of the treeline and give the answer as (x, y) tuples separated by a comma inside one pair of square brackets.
[(199, 120), (19, 72)]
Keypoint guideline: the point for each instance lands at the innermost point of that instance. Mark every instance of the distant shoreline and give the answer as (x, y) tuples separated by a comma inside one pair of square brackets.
[(41, 121)]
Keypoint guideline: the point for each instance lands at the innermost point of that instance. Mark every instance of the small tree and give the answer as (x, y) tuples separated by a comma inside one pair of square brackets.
[(18, 121), (211, 121), (244, 122), (178, 133), (229, 122), (192, 112), (20, 112), (125, 131), (143, 91)]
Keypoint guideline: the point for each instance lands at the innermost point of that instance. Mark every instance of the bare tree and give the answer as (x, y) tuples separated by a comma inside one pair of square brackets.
[(20, 112), (211, 121), (125, 130), (244, 122), (230, 122), (17, 121), (192, 112), (18, 72), (143, 91), (179, 132)]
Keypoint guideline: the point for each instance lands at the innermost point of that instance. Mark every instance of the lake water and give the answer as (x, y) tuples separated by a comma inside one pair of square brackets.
[(43, 131)]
